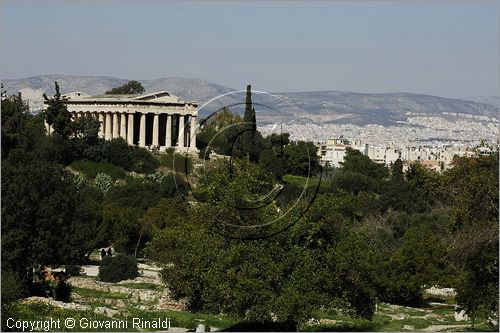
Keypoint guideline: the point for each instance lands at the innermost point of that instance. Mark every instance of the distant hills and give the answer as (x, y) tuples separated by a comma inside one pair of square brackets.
[(299, 107), (492, 100)]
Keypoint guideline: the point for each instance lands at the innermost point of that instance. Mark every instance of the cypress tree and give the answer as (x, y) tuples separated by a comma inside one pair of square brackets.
[(250, 127), (3, 93), (57, 114), (248, 105)]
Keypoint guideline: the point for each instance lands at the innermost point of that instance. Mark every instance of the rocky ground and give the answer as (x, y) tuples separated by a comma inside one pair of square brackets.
[(146, 294), (117, 300)]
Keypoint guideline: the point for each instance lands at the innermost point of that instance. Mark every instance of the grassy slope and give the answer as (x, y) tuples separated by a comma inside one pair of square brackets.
[(91, 169), (383, 320)]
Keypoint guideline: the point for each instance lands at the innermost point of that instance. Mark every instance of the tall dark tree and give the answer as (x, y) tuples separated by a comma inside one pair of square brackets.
[(249, 110), (471, 190), (250, 128), (218, 133), (57, 114), (3, 92), (397, 170), (45, 220), (86, 129), (302, 158), (15, 118), (356, 162)]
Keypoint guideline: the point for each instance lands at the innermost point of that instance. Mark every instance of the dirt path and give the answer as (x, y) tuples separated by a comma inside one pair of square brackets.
[(437, 328)]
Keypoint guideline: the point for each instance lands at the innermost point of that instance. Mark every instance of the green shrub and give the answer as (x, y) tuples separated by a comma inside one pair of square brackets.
[(118, 268), (119, 153), (122, 156), (92, 169), (144, 161), (103, 182), (79, 181), (419, 261), (56, 287), (62, 291), (175, 161), (11, 286)]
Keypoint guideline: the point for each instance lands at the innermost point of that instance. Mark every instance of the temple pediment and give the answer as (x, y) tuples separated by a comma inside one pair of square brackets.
[(75, 95), (159, 96), (156, 97)]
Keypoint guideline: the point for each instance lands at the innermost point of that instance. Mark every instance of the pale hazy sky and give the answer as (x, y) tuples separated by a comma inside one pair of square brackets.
[(446, 48)]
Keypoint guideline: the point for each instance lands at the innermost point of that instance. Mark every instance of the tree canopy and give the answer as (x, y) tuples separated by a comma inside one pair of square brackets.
[(131, 87), (269, 238), (57, 114), (56, 214)]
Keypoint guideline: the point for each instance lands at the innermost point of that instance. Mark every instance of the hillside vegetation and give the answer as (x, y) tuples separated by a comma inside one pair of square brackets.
[(242, 242)]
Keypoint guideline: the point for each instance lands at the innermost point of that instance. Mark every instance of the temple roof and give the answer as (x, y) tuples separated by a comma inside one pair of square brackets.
[(162, 96)]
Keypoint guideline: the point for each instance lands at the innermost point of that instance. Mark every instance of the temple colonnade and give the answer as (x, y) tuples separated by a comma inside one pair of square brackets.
[(152, 129)]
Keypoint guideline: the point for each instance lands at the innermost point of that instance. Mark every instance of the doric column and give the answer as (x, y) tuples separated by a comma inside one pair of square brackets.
[(168, 137), (108, 131), (192, 133), (142, 131), (180, 141), (155, 129), (101, 124), (123, 126), (130, 130), (115, 125)]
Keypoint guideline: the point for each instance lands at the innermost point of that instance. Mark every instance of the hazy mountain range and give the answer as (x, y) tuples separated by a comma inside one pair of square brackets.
[(298, 107), (493, 100)]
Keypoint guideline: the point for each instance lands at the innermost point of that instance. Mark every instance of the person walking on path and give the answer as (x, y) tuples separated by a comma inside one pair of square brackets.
[(103, 254)]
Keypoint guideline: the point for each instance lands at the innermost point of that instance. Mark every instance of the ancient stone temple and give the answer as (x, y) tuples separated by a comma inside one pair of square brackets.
[(157, 119)]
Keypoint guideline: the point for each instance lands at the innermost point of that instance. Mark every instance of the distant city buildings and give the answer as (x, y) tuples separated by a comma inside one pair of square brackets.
[(419, 131), (333, 152)]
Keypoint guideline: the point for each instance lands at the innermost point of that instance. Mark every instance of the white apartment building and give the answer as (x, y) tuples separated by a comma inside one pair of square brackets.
[(333, 151)]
